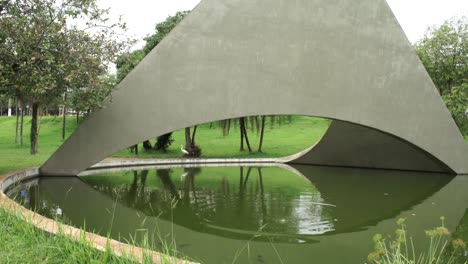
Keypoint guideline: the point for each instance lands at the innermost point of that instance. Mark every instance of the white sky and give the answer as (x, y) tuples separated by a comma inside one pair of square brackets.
[(415, 16)]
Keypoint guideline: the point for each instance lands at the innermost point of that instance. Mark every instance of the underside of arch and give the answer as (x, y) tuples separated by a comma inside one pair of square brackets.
[(345, 59), (350, 145)]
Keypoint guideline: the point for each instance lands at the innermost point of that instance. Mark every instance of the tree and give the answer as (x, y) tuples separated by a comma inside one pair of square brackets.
[(262, 133), (244, 135), (129, 60), (444, 53), (87, 98), (457, 103), (162, 30), (42, 55), (126, 62)]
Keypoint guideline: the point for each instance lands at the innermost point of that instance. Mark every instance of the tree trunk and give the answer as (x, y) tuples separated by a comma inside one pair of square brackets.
[(194, 133), (241, 134), (246, 136), (241, 180), (21, 125), (188, 140), (135, 147), (252, 123), (17, 122), (77, 117), (257, 124), (34, 128), (226, 127), (261, 135), (64, 111), (9, 107)]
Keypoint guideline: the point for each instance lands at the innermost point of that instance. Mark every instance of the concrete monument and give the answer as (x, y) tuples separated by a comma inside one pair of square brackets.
[(346, 60)]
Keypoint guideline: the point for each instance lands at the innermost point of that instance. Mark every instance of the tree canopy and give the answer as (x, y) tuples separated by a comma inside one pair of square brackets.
[(444, 53), (129, 60), (45, 52)]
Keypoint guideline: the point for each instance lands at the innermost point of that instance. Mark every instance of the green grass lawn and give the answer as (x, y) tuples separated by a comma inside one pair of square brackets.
[(279, 140)]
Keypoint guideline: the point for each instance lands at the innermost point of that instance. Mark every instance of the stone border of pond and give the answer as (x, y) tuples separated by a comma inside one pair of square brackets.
[(53, 227), (113, 162)]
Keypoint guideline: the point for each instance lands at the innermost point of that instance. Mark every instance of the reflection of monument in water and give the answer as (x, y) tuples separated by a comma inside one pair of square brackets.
[(241, 203)]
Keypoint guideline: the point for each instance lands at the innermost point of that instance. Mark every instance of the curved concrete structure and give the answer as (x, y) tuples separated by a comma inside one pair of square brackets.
[(346, 60), (350, 145)]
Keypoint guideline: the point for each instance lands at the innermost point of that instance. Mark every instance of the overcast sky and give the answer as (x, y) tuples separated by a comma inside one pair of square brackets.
[(415, 16)]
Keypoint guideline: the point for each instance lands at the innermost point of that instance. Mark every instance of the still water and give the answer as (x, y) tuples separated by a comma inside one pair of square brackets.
[(250, 214)]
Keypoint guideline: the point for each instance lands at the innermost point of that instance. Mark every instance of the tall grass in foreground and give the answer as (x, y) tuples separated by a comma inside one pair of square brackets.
[(400, 249), (22, 242)]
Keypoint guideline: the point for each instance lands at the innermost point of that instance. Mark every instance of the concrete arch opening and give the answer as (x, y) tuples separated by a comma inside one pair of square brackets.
[(343, 144)]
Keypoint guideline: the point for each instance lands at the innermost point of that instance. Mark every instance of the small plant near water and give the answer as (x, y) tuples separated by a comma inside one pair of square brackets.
[(400, 249)]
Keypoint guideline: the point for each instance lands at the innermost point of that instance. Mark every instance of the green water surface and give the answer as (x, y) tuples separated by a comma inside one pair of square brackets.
[(251, 214)]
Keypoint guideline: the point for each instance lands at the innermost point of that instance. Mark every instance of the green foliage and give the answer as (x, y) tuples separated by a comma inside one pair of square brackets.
[(400, 249), (129, 60), (444, 53), (90, 97), (162, 29), (457, 103), (164, 142), (43, 53)]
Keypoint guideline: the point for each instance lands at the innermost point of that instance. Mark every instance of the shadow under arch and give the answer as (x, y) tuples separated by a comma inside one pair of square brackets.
[(346, 144)]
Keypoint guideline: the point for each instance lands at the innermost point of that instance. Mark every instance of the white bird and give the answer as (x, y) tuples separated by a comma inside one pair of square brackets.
[(182, 177), (184, 150)]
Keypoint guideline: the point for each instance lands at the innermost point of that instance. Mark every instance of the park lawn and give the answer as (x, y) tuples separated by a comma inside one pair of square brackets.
[(15, 157), (279, 140)]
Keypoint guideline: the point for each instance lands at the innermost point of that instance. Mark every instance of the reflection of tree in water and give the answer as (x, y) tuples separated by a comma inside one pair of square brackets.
[(134, 195), (233, 206)]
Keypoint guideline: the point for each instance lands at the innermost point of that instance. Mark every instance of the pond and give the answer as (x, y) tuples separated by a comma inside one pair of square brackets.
[(251, 214)]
